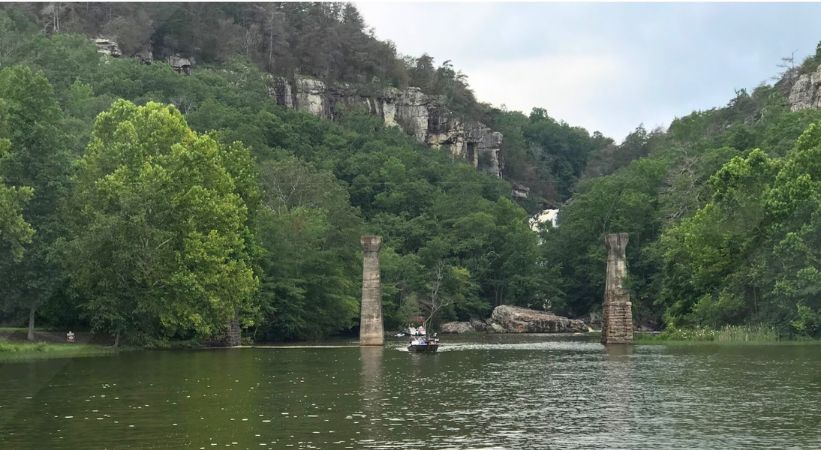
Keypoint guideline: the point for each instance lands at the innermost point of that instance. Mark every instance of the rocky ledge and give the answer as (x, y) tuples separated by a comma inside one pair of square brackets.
[(423, 116), (514, 319)]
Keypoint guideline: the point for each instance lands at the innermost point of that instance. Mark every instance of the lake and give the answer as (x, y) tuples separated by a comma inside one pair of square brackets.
[(493, 391)]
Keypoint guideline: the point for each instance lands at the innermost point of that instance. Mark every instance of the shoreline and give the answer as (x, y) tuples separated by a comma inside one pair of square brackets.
[(17, 350)]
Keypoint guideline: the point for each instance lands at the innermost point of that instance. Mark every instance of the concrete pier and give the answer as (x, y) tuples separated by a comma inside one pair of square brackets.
[(233, 336), (617, 314), (371, 329)]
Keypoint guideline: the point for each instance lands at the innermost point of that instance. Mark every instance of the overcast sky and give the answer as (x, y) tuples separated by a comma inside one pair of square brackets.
[(606, 67)]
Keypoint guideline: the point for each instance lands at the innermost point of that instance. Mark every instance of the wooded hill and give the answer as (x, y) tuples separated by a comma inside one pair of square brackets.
[(127, 215), (328, 41)]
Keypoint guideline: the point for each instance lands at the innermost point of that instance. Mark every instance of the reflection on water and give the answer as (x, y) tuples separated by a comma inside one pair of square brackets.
[(534, 391), (372, 393), (617, 388)]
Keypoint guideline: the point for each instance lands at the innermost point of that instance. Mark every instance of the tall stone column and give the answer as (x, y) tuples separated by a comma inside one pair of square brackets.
[(233, 337), (371, 330), (617, 317)]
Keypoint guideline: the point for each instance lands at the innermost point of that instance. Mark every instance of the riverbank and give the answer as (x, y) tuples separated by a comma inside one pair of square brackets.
[(51, 344), (35, 350), (731, 334)]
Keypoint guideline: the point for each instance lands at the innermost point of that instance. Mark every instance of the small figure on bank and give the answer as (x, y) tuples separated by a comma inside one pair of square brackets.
[(70, 337)]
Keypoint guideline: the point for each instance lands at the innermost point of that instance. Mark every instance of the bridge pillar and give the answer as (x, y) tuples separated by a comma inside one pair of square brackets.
[(617, 314), (371, 329), (233, 336)]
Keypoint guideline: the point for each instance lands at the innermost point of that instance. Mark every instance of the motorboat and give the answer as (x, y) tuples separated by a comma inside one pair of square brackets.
[(423, 344)]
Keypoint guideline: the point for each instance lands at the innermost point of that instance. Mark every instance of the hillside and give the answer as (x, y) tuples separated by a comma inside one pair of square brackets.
[(294, 193), (324, 61), (723, 211), (261, 140)]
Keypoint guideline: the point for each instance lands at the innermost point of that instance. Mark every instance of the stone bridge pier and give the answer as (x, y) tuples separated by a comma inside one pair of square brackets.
[(371, 329), (617, 313)]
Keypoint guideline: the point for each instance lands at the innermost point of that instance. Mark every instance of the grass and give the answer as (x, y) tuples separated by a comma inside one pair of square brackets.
[(730, 334), (30, 350)]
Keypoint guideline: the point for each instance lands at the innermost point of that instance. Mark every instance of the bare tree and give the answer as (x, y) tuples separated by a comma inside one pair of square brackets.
[(436, 301), (786, 67)]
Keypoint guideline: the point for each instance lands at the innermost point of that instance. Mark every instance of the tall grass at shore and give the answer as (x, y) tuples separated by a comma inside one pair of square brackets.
[(26, 350), (730, 334)]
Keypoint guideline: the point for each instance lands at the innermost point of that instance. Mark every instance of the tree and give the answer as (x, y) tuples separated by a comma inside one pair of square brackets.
[(158, 245), (308, 236), (703, 254), (15, 232), (793, 204), (35, 164)]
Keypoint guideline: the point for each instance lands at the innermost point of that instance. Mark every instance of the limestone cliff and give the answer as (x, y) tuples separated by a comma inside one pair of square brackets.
[(805, 91), (422, 116)]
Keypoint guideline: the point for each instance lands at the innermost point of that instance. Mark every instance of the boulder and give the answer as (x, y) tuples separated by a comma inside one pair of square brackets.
[(514, 319), (496, 328), (456, 328), (478, 325), (593, 320)]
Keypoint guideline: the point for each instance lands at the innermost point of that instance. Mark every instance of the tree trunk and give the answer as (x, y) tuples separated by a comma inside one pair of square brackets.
[(117, 340), (32, 311)]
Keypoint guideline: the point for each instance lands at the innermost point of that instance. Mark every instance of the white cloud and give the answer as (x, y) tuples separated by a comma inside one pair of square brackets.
[(571, 87), (606, 67)]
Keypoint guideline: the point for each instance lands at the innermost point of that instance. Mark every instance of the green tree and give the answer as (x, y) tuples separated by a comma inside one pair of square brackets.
[(309, 239), (15, 232), (794, 209), (36, 158), (158, 241), (703, 254)]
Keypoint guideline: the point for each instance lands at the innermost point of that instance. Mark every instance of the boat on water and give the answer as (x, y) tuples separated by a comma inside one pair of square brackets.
[(424, 344)]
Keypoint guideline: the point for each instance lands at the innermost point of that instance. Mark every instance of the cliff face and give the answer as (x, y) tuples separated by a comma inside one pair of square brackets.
[(806, 91), (422, 116)]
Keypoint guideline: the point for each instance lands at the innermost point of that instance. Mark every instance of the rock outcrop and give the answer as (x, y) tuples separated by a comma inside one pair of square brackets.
[(181, 64), (108, 47), (520, 191), (422, 116), (806, 91), (514, 319)]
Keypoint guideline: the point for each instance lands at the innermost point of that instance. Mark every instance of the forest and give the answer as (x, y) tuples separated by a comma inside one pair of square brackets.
[(155, 207)]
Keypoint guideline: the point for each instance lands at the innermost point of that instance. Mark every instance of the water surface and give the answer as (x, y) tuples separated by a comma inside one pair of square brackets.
[(504, 391)]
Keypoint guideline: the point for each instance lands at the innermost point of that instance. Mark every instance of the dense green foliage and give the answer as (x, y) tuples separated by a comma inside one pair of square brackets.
[(544, 154), (324, 40), (15, 232), (156, 206), (35, 164), (175, 219), (723, 216), (157, 226)]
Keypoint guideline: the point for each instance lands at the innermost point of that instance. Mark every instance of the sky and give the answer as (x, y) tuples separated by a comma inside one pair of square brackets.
[(606, 67)]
